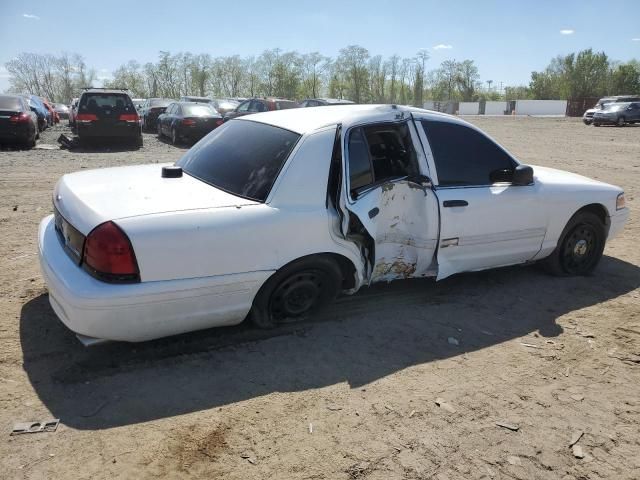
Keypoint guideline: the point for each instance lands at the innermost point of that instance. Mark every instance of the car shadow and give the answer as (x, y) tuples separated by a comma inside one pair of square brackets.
[(359, 339), (180, 145), (111, 145)]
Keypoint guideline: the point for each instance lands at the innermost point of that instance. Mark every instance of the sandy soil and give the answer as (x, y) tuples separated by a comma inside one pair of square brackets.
[(354, 394)]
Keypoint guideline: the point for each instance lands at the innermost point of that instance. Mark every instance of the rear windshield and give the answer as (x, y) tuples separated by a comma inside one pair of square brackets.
[(10, 103), (106, 103), (198, 110), (160, 102), (241, 157), (284, 105)]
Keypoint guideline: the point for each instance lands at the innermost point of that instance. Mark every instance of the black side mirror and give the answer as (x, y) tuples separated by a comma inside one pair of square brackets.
[(522, 175)]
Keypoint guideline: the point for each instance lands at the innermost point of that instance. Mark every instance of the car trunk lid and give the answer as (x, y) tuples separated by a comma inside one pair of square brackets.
[(87, 199)]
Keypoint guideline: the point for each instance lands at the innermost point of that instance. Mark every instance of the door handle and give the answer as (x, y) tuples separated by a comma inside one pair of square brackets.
[(455, 203), (373, 212)]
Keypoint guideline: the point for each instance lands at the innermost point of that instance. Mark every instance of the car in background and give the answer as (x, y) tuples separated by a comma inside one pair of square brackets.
[(618, 114), (40, 110), (73, 110), (257, 105), (53, 115), (18, 122), (62, 110), (587, 117), (188, 121), (138, 102), (107, 114), (151, 109), (191, 98), (321, 102), (224, 105)]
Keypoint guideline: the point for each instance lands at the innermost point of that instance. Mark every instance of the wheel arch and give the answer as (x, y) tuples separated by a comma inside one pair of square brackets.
[(599, 210)]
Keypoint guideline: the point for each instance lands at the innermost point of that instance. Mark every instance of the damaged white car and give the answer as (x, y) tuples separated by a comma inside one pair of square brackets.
[(272, 215)]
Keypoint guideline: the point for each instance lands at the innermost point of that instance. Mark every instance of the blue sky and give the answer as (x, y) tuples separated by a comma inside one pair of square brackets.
[(507, 39)]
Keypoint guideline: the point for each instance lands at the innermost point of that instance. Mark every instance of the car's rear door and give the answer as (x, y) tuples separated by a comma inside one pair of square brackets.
[(485, 221), (388, 209)]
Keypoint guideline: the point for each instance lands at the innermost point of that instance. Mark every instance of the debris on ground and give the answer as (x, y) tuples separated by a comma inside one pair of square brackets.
[(575, 438), (35, 427), (513, 460), (46, 146), (444, 405), (577, 451), (66, 142), (508, 426), (530, 345)]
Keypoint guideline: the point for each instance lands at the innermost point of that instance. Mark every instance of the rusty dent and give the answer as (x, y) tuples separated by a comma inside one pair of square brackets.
[(398, 269)]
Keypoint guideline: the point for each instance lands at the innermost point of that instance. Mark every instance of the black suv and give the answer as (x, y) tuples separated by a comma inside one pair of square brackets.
[(107, 114)]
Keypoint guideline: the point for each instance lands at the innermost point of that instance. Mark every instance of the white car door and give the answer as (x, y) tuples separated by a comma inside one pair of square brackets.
[(486, 221), (389, 208)]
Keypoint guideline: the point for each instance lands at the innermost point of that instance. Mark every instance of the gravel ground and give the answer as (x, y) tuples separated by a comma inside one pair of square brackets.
[(372, 389)]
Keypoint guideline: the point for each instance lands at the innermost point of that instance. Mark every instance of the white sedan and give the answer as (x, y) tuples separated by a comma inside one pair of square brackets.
[(272, 215)]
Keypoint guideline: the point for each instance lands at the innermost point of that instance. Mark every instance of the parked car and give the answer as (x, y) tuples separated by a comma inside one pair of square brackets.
[(191, 98), (224, 105), (107, 114), (138, 103), (321, 102), (40, 110), (587, 117), (73, 110), (271, 216), (618, 114), (18, 122), (188, 121), (53, 115), (151, 109), (256, 105), (62, 110)]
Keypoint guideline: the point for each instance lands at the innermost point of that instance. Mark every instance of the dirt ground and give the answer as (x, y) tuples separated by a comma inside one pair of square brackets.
[(353, 395)]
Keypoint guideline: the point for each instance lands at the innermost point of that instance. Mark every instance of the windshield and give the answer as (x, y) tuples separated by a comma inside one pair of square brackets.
[(613, 107), (198, 110), (241, 157), (160, 102), (10, 103)]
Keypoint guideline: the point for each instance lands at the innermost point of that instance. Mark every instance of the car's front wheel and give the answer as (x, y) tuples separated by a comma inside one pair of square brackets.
[(296, 291), (580, 247)]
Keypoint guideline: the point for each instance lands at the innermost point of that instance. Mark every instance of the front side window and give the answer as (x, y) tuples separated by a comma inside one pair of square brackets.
[(241, 157), (379, 153), (244, 106), (464, 156)]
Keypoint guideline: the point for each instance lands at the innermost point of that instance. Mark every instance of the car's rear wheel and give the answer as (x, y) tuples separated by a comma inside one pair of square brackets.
[(621, 121), (296, 291), (580, 247)]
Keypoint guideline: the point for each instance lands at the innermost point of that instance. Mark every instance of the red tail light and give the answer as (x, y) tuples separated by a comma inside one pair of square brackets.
[(129, 117), (219, 122), (19, 118), (86, 117), (108, 254), (188, 122)]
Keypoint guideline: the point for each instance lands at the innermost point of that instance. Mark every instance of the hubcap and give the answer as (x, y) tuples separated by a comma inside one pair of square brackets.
[(296, 295), (580, 249)]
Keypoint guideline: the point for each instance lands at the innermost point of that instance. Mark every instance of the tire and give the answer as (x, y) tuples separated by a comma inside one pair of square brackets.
[(296, 291), (31, 142), (596, 124), (580, 247), (621, 121)]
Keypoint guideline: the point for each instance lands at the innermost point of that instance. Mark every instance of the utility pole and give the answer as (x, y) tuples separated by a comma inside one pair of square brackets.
[(489, 82)]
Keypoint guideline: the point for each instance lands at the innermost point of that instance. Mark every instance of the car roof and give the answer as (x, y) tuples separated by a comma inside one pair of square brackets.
[(107, 91), (306, 120)]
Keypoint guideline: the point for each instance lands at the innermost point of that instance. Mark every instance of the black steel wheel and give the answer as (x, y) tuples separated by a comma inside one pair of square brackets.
[(296, 291), (580, 247)]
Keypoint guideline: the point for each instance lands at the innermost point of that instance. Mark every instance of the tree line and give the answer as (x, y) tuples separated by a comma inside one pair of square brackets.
[(354, 74)]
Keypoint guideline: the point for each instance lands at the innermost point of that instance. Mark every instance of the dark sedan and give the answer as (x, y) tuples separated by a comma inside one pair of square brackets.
[(151, 109), (188, 121), (18, 123), (256, 105)]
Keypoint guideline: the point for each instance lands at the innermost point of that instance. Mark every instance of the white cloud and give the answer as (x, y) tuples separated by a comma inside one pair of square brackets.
[(567, 31), (442, 46), (28, 15)]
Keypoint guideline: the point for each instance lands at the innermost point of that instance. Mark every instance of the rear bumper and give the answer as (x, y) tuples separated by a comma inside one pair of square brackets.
[(91, 130), (14, 134), (142, 311)]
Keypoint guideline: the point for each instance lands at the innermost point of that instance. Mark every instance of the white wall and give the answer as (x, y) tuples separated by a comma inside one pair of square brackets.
[(495, 108), (428, 105), (541, 107), (468, 108)]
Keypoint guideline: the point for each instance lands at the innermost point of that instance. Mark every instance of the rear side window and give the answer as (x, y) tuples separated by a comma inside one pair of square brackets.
[(10, 103), (241, 157), (464, 156), (380, 152), (106, 103)]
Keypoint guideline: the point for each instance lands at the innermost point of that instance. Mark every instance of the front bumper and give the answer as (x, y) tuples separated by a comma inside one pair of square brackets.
[(617, 222), (142, 311)]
